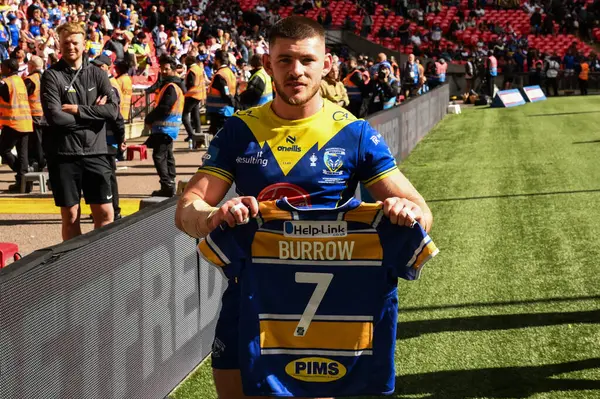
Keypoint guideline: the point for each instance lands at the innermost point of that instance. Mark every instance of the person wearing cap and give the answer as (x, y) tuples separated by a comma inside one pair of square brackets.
[(13, 30), (221, 102), (15, 118), (195, 82), (115, 45), (384, 89), (78, 100), (32, 82), (164, 122), (115, 131)]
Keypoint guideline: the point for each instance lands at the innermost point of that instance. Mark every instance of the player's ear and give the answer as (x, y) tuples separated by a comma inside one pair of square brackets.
[(327, 65), (266, 60)]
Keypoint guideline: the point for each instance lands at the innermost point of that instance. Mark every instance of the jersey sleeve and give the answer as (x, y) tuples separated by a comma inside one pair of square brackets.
[(219, 160), (375, 159), (221, 249), (417, 250)]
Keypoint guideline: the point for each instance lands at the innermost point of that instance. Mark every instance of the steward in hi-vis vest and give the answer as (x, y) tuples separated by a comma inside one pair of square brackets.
[(221, 102), (355, 85), (260, 86), (195, 83), (32, 83), (16, 121), (164, 122)]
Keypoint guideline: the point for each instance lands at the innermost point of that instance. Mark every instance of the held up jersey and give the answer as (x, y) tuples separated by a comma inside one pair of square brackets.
[(314, 161), (318, 306)]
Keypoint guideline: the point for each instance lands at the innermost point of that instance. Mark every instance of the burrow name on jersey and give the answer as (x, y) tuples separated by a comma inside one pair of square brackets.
[(316, 250)]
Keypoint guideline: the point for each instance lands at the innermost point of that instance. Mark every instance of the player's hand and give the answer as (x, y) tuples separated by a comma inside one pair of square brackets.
[(402, 212), (235, 211)]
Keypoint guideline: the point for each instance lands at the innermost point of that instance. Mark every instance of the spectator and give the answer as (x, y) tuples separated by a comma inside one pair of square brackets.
[(384, 89), (195, 96), (536, 22), (115, 132), (164, 122), (16, 120), (77, 101), (32, 84), (552, 70), (332, 89), (410, 77), (259, 90), (220, 102), (492, 72), (584, 69), (355, 86)]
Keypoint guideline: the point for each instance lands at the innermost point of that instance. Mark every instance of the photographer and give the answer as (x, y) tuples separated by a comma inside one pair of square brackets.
[(384, 90)]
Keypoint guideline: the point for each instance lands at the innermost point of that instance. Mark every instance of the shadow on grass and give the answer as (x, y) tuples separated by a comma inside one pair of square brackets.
[(498, 382), (498, 304), (564, 113), (412, 329), (587, 142), (595, 190)]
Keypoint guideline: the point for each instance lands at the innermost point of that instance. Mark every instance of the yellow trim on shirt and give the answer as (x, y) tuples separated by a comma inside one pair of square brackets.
[(209, 254), (364, 213), (320, 335), (380, 176), (427, 253), (217, 172)]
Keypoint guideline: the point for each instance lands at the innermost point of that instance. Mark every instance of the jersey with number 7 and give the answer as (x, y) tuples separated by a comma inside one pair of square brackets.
[(319, 304)]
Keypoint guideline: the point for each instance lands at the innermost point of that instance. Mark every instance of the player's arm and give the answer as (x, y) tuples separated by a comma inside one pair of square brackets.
[(198, 212), (402, 203), (399, 196)]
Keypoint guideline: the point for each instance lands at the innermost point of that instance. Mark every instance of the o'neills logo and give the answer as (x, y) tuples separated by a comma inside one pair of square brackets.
[(294, 148)]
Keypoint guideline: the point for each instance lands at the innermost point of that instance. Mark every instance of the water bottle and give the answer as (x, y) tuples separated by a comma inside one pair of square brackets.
[(191, 144)]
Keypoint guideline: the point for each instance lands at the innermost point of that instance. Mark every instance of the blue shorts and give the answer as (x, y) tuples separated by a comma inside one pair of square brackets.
[(225, 346)]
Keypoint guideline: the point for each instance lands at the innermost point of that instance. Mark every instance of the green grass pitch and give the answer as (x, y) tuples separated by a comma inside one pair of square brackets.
[(510, 308)]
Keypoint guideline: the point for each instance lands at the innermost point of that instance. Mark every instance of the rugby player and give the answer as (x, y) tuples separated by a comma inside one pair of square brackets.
[(299, 146)]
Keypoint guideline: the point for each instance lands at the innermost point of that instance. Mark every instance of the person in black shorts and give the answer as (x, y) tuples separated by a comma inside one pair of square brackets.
[(77, 100)]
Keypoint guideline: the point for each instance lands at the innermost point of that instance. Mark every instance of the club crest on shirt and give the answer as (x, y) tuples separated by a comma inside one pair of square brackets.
[(334, 160)]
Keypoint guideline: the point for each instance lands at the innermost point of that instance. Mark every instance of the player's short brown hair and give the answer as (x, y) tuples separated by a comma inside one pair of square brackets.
[(70, 28), (296, 28)]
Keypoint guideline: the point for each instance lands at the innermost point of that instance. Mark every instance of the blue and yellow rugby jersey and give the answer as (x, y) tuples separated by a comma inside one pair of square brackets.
[(318, 306), (314, 161)]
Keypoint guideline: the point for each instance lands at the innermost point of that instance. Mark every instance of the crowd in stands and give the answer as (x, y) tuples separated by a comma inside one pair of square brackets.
[(530, 36)]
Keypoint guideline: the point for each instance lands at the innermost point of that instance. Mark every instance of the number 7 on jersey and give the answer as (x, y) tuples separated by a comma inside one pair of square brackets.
[(322, 280)]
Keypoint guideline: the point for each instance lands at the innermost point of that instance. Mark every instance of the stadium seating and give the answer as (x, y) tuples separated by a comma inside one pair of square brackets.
[(519, 20)]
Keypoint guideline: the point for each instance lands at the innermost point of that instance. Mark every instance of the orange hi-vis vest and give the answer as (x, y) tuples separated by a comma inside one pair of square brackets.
[(353, 90), (173, 121), (198, 91), (585, 71), (214, 103), (35, 100), (126, 92), (17, 113)]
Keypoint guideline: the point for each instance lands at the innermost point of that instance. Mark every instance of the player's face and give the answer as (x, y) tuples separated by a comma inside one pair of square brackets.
[(297, 67), (71, 46)]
